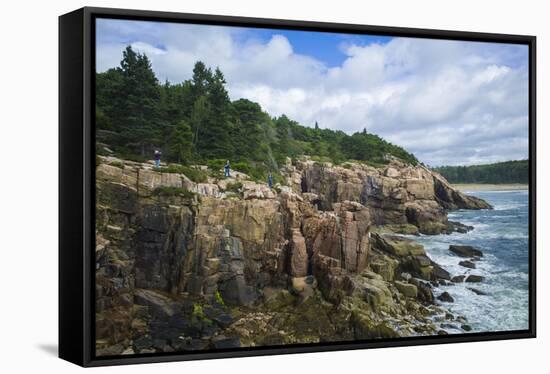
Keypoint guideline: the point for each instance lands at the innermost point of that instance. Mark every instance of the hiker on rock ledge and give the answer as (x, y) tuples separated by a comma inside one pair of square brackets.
[(227, 169), (157, 158)]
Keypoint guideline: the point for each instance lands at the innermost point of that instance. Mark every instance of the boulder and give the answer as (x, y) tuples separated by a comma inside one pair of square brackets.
[(160, 306), (458, 278), (461, 228), (466, 327), (440, 273), (397, 245), (477, 292), (472, 278), (407, 289), (467, 264), (445, 297), (465, 251)]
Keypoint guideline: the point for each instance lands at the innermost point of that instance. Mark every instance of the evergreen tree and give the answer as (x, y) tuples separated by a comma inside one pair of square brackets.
[(196, 120), (140, 93), (180, 144)]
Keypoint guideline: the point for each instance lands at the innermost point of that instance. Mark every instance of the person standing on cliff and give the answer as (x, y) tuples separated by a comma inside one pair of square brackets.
[(270, 180), (227, 169), (157, 158)]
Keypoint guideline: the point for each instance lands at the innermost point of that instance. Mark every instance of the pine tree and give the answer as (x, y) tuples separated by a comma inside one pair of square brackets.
[(180, 144), (140, 93)]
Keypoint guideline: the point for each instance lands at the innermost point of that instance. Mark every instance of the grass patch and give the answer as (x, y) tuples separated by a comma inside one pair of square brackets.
[(219, 298), (196, 175), (234, 187), (117, 164), (198, 314), (173, 191)]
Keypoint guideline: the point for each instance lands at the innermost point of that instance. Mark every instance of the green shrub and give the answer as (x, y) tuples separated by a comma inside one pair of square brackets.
[(216, 164), (243, 167), (196, 175), (234, 187), (219, 298), (98, 160), (198, 314)]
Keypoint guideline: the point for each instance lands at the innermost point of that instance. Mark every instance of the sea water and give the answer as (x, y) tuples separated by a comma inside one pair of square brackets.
[(502, 235)]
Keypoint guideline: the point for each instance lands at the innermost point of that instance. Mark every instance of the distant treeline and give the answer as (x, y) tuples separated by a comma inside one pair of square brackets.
[(196, 122), (498, 173)]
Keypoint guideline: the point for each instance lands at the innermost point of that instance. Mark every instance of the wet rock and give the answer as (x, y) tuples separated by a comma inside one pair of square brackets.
[(458, 278), (472, 278), (467, 264), (461, 228), (466, 327), (440, 273), (477, 292), (465, 251), (449, 326), (446, 297)]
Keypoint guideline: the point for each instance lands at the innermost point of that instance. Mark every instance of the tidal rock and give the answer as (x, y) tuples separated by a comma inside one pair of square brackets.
[(461, 228), (473, 278), (465, 251), (446, 297), (466, 327), (477, 292), (458, 278), (467, 264), (440, 273)]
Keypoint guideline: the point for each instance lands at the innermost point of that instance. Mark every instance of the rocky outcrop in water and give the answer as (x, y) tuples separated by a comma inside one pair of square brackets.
[(187, 266)]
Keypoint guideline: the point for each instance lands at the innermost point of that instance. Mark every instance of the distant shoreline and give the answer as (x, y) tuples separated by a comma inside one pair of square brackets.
[(490, 187)]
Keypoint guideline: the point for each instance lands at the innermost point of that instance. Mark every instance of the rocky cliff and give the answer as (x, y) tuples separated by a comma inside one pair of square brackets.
[(228, 263)]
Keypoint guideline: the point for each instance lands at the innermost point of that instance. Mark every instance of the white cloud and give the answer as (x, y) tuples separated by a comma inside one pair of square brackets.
[(448, 102)]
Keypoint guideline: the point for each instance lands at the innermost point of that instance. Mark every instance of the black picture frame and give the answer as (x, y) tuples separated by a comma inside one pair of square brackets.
[(77, 169)]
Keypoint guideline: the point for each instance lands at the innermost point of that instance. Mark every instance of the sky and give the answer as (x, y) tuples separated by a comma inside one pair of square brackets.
[(448, 102)]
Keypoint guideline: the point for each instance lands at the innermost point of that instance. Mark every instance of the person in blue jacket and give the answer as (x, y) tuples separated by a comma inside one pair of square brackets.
[(227, 169), (270, 180), (157, 158)]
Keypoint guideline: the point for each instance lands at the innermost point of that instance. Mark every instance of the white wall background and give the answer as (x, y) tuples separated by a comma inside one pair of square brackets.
[(28, 184)]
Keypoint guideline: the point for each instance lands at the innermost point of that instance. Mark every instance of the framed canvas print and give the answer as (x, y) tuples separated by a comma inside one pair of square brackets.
[(237, 186)]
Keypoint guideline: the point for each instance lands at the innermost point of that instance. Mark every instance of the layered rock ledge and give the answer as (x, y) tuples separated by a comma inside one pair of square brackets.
[(230, 262)]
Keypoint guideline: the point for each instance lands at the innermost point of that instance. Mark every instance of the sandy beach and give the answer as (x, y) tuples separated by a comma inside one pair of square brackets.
[(490, 187)]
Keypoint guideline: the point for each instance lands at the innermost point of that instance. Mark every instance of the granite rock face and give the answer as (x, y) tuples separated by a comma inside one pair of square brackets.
[(397, 194), (187, 266)]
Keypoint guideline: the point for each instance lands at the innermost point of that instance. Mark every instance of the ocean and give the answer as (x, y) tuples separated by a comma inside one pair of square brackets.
[(502, 235)]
